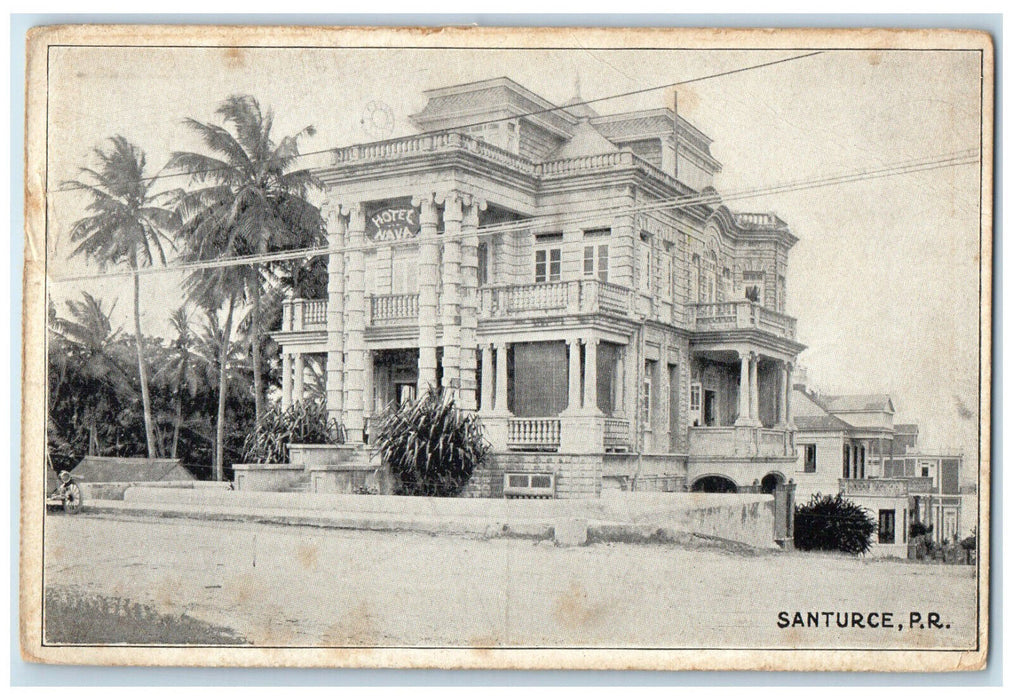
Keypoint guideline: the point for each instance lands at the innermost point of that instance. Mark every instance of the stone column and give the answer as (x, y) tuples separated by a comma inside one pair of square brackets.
[(782, 398), (286, 381), (754, 392), (450, 300), (428, 256), (573, 403), (787, 396), (591, 376), (300, 371), (336, 227), (501, 406), (487, 378), (745, 370), (367, 389), (469, 300), (620, 383), (355, 324)]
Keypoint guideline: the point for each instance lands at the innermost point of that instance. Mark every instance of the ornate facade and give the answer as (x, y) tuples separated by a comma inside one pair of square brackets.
[(572, 277)]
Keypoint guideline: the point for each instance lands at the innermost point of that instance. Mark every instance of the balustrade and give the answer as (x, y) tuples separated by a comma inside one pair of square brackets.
[(733, 315), (393, 308), (304, 314), (533, 434)]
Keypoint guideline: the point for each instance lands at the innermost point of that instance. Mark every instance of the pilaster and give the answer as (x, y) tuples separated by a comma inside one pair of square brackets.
[(286, 381), (355, 323), (337, 225), (428, 262), (299, 378), (450, 302), (469, 300)]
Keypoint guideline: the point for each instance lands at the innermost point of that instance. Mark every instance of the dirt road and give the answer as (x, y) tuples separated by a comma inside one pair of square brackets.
[(304, 587)]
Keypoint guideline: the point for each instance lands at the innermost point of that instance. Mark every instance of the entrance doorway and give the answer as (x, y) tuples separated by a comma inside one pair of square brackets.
[(404, 392), (770, 483), (710, 407)]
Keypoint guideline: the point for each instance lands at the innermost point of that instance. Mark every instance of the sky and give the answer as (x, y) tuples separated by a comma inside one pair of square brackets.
[(884, 278)]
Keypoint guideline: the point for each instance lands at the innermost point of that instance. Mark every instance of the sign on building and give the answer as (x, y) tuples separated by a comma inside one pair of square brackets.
[(392, 223)]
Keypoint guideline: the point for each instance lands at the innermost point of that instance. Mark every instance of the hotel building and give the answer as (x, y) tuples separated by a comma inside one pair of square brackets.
[(572, 277)]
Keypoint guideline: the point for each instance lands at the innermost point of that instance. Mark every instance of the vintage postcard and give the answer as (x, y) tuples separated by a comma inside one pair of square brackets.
[(507, 348)]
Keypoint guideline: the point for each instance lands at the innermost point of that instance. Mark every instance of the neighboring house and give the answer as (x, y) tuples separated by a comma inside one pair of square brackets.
[(836, 438), (536, 266), (939, 500), (840, 440)]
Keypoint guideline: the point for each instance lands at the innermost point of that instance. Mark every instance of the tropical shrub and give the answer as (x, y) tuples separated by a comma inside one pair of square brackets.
[(303, 423), (918, 528), (430, 445), (833, 524)]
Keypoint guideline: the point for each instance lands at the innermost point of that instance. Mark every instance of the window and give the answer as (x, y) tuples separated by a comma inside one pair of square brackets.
[(483, 264), (666, 276), (645, 264), (847, 461), (752, 282), (548, 264), (810, 459), (646, 396), (596, 261), (925, 471), (404, 278), (694, 403), (887, 522)]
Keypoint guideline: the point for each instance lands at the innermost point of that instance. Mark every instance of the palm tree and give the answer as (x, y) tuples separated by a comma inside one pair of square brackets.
[(86, 347), (249, 191), (126, 225), (217, 358), (178, 372)]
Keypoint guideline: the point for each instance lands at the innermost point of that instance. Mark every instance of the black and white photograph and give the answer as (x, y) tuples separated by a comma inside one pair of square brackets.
[(507, 348)]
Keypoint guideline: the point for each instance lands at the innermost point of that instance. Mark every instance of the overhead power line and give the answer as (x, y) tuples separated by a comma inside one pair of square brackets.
[(70, 187), (967, 157)]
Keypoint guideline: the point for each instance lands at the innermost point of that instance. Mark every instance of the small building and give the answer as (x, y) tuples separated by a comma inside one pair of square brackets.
[(939, 500), (841, 440)]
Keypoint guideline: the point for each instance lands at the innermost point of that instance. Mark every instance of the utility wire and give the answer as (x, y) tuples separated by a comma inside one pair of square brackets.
[(660, 206), (70, 187)]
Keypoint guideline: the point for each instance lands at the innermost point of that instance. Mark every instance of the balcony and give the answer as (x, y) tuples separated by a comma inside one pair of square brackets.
[(742, 315), (740, 441), (304, 315), (556, 298), (393, 309)]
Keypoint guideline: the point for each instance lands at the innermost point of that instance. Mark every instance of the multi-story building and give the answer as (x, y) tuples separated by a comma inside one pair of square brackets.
[(571, 276), (848, 444)]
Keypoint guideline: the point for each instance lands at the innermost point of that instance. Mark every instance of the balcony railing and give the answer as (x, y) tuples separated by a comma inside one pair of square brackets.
[(577, 296), (616, 437), (740, 441), (883, 488), (533, 434), (429, 143), (393, 309), (304, 315), (745, 314)]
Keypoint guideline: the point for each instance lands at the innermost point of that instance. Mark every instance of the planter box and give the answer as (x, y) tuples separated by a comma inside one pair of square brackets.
[(266, 477), (311, 456)]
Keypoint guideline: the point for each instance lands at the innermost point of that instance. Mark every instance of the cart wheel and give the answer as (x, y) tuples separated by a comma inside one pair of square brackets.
[(72, 499)]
